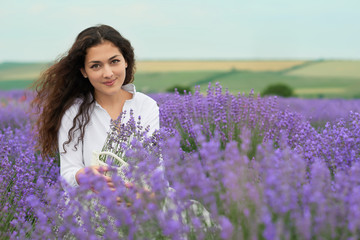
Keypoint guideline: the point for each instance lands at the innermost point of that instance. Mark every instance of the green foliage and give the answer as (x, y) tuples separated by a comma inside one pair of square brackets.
[(180, 88), (356, 96), (279, 89)]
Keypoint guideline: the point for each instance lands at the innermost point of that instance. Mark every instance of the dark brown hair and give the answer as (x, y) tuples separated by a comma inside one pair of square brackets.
[(61, 84)]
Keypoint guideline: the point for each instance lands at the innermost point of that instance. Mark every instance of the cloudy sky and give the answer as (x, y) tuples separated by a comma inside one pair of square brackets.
[(41, 30)]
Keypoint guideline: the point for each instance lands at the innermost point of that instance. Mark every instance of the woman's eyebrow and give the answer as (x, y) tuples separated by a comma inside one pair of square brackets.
[(114, 57), (109, 59)]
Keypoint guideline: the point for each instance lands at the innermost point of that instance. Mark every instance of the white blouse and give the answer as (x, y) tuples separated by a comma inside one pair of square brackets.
[(96, 131)]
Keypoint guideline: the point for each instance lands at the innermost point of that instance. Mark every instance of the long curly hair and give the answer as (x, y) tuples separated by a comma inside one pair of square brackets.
[(62, 83)]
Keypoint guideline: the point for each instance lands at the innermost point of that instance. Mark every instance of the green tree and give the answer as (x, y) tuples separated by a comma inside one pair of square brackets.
[(278, 89)]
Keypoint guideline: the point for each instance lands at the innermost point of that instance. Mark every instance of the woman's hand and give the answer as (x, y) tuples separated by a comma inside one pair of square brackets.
[(100, 170), (97, 170)]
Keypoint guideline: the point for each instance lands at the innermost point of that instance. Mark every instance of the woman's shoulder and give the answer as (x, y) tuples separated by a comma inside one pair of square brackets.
[(144, 102), (139, 98), (143, 97), (74, 108)]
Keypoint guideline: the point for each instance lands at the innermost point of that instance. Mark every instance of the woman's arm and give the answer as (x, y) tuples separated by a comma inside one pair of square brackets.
[(71, 161)]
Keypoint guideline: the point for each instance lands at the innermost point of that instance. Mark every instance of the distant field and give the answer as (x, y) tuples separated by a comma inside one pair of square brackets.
[(308, 87), (309, 79), (21, 71), (178, 66), (346, 69), (336, 85)]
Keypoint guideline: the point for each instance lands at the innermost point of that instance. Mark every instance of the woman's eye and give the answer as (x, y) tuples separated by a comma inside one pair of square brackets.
[(115, 61), (95, 66)]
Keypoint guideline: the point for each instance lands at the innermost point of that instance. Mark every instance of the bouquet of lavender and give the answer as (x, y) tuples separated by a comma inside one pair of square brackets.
[(119, 140), (121, 143)]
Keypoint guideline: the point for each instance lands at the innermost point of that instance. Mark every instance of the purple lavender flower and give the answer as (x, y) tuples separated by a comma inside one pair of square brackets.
[(221, 166)]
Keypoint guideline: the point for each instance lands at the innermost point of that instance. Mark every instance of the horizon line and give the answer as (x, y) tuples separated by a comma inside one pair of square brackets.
[(206, 60)]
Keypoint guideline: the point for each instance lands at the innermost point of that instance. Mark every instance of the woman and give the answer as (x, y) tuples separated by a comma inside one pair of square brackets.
[(79, 95)]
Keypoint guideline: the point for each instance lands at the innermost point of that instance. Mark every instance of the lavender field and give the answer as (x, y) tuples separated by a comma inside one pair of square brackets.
[(222, 166)]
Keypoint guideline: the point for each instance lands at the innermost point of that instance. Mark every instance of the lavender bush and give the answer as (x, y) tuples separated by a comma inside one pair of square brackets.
[(14, 108), (221, 167), (23, 172), (321, 110)]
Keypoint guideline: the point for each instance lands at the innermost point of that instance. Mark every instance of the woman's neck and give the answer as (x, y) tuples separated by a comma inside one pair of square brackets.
[(113, 104)]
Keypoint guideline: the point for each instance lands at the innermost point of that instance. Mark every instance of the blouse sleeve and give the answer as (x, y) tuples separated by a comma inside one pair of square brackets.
[(71, 160), (152, 119)]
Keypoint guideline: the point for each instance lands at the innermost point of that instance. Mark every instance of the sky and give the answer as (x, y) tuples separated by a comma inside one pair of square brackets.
[(43, 30)]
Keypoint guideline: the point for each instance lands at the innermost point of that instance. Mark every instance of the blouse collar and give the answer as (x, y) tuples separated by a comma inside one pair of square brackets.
[(129, 88)]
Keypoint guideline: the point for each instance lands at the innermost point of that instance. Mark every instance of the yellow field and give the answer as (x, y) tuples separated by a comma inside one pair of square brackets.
[(20, 75), (174, 66), (21, 71)]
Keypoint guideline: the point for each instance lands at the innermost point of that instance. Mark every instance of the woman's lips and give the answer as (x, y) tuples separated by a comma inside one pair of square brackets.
[(110, 83)]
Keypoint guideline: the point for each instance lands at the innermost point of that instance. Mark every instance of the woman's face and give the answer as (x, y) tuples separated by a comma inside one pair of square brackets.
[(105, 67)]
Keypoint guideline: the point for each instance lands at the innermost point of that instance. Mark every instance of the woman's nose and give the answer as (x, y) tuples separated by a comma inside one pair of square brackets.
[(108, 73)]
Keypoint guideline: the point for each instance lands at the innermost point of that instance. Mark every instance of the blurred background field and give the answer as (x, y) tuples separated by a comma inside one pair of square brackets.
[(309, 79)]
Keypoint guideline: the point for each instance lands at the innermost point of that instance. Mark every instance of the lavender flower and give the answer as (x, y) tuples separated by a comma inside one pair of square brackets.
[(222, 166)]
